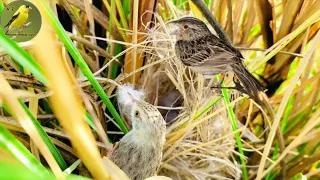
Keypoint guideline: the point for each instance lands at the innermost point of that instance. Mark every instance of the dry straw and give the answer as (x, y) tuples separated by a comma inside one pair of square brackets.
[(200, 147)]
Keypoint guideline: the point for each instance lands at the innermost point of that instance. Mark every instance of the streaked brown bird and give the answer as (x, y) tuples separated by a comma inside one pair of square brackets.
[(205, 53), (139, 153)]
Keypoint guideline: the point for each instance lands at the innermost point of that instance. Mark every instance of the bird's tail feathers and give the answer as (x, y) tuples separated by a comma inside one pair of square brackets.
[(251, 85)]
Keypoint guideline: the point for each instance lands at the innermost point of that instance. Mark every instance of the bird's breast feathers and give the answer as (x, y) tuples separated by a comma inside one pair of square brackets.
[(20, 20)]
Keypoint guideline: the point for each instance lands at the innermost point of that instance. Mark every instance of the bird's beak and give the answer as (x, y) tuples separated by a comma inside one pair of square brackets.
[(30, 8), (176, 30), (173, 22)]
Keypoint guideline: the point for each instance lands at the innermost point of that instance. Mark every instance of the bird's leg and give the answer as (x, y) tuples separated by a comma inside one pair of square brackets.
[(236, 82), (23, 27), (222, 76), (238, 85), (219, 87)]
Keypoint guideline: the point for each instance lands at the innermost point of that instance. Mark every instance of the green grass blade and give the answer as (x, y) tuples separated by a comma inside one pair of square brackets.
[(56, 154), (276, 152), (207, 107), (122, 14), (234, 125), (115, 67), (111, 14), (74, 165), (22, 57), (126, 8), (1, 6), (13, 146), (83, 66), (17, 172), (287, 114), (275, 155), (299, 176), (298, 119), (90, 121)]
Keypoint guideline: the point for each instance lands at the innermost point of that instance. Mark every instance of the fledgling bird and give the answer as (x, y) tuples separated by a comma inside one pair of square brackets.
[(139, 152), (205, 53), (19, 18)]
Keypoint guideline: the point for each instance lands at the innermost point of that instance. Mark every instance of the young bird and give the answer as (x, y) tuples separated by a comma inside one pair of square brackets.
[(19, 18), (205, 53), (139, 152)]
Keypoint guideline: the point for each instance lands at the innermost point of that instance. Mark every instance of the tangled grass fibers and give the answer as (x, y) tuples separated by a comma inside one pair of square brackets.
[(197, 147)]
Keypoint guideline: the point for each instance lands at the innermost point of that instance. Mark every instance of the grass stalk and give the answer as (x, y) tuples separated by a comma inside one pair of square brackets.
[(207, 107), (135, 37), (1, 6), (237, 136), (13, 146), (56, 154), (122, 14), (22, 57), (114, 20), (284, 121), (63, 36), (261, 173)]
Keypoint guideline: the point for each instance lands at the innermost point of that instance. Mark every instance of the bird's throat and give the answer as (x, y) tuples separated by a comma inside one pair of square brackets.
[(146, 138)]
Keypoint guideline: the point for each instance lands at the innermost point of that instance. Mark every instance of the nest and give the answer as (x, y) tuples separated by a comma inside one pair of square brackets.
[(196, 147)]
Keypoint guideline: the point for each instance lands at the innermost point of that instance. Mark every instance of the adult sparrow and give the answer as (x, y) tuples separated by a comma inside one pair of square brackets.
[(205, 53)]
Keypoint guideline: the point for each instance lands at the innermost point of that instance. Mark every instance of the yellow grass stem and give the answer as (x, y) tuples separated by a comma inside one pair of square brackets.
[(281, 109), (115, 20), (7, 95), (135, 36), (65, 101)]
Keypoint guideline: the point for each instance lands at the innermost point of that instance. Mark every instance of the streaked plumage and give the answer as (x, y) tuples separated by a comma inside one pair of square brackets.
[(19, 18), (205, 53), (139, 152)]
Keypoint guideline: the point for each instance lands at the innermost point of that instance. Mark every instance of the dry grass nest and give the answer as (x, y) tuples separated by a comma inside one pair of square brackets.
[(197, 147)]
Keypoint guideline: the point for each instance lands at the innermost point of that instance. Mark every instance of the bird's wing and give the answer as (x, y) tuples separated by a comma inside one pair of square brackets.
[(195, 57), (214, 54), (208, 50), (14, 17), (219, 56), (218, 42)]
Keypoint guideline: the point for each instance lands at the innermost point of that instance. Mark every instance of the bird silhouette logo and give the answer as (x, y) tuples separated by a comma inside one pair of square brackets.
[(20, 21)]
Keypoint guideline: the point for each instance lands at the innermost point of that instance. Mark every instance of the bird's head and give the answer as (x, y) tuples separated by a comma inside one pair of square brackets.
[(24, 8), (145, 117), (189, 28)]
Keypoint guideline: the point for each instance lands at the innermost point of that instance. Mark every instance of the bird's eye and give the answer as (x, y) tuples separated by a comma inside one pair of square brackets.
[(137, 114), (185, 26)]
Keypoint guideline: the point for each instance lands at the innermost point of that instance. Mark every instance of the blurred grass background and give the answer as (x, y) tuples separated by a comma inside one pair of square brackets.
[(57, 102)]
